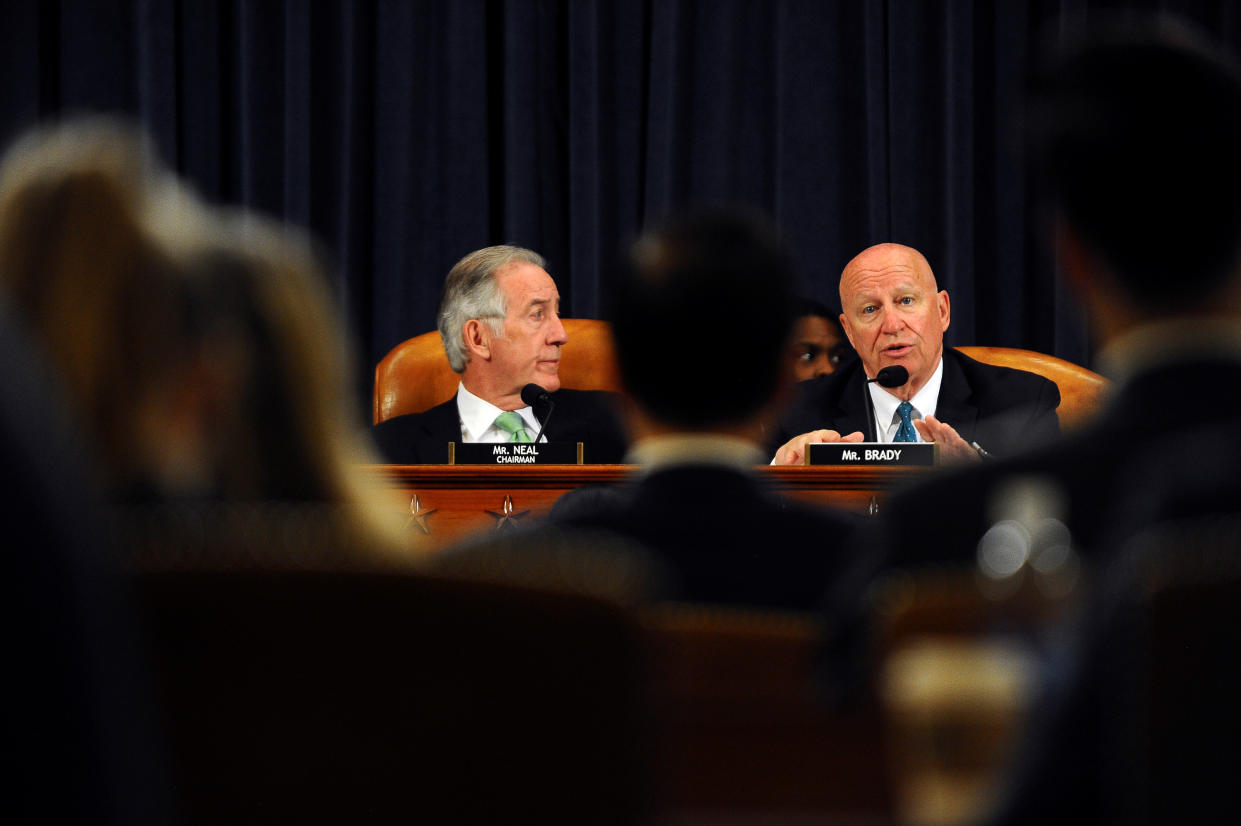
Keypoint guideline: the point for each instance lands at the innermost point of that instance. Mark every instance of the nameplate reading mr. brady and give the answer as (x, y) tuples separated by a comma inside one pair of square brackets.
[(918, 454)]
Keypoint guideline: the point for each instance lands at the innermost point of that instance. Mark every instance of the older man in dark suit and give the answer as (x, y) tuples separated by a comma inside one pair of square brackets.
[(895, 316), (499, 318)]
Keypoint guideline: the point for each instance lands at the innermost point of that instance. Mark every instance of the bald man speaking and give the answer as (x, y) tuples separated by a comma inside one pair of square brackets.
[(895, 315)]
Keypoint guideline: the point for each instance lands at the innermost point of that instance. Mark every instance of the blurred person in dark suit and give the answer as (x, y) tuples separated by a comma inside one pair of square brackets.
[(80, 742), (499, 319), (1138, 145), (895, 315), (1138, 124), (1134, 128), (722, 533), (819, 346), (78, 730)]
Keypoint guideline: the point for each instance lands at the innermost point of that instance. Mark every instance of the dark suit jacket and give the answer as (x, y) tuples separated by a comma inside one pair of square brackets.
[(588, 416), (1138, 721), (941, 519), (84, 748), (722, 534), (1002, 409), (1141, 724), (1113, 475)]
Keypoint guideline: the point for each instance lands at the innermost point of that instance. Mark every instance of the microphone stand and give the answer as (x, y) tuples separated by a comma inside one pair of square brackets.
[(533, 394), (543, 423)]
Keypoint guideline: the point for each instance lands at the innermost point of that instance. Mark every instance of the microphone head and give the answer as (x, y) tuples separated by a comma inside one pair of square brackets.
[(533, 394), (893, 376)]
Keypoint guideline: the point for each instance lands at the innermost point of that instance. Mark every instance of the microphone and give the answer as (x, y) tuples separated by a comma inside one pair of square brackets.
[(533, 394), (893, 376)]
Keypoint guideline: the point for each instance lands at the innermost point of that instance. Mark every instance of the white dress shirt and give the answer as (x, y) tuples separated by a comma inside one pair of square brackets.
[(1167, 342), (885, 404), (478, 419)]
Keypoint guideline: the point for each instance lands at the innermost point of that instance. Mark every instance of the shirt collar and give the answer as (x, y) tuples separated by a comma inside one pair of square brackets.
[(1167, 342), (924, 401), (696, 449), (478, 415)]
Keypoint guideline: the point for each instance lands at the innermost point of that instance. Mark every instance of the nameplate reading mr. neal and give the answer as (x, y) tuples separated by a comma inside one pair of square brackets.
[(515, 453)]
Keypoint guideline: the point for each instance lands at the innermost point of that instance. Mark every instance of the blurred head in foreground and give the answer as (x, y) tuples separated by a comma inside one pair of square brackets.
[(200, 350), (1136, 126), (721, 283), (275, 361), (100, 297)]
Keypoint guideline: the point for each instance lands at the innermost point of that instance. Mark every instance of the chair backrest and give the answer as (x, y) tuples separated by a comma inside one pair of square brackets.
[(1174, 747), (415, 375), (338, 696), (954, 673), (1081, 390), (740, 725)]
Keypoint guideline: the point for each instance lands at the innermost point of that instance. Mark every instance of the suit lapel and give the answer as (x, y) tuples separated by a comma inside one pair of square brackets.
[(853, 406), (955, 406), (442, 423)]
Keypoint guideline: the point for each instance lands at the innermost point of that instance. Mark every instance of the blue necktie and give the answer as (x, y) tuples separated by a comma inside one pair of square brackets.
[(906, 432)]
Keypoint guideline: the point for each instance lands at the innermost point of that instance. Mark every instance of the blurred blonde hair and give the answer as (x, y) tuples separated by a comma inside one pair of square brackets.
[(94, 290), (200, 347), (278, 345)]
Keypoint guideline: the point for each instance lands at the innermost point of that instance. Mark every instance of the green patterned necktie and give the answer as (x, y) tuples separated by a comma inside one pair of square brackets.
[(514, 425), (906, 432)]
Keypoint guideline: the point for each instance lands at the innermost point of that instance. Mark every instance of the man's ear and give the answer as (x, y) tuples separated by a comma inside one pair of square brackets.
[(844, 325), (1087, 273), (1087, 276), (1076, 261), (477, 337), (1108, 305)]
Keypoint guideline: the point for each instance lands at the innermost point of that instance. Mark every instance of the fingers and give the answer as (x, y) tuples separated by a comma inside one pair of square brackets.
[(933, 430), (951, 446), (793, 452)]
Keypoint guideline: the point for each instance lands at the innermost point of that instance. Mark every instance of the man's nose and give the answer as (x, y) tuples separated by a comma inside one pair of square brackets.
[(557, 333), (892, 321)]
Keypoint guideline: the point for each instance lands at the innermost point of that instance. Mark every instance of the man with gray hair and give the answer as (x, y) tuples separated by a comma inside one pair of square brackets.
[(499, 318)]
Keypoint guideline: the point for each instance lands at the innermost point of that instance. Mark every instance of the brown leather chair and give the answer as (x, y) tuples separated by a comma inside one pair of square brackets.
[(1081, 390), (953, 693), (345, 696), (415, 375), (741, 730)]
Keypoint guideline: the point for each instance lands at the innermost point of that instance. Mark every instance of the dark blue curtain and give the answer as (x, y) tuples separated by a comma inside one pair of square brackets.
[(405, 133)]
